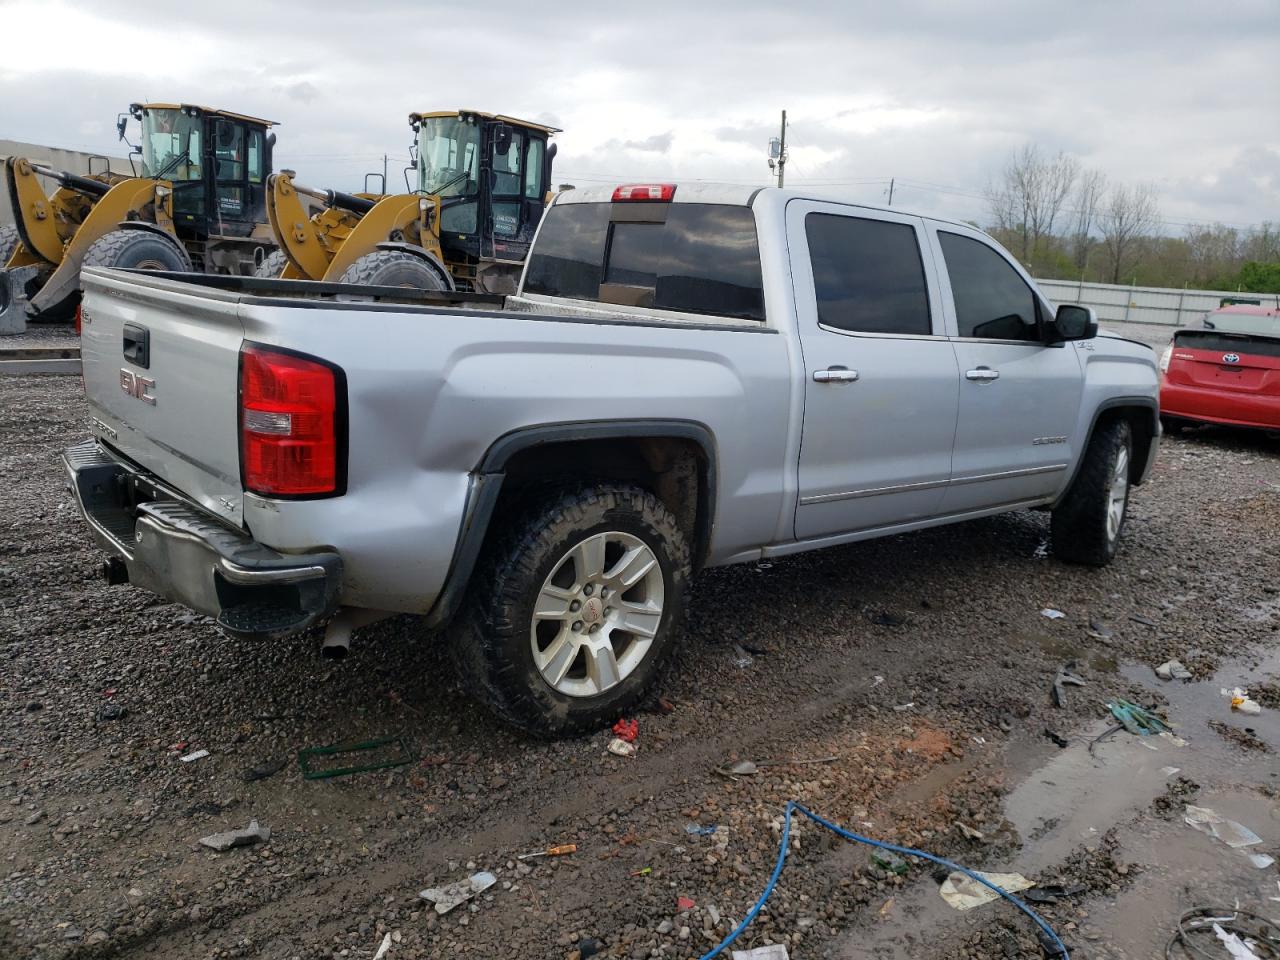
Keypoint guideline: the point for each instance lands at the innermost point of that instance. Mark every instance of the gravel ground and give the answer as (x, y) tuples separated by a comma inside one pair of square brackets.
[(921, 663)]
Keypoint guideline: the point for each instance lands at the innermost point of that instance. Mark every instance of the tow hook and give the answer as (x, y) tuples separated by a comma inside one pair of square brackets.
[(114, 571)]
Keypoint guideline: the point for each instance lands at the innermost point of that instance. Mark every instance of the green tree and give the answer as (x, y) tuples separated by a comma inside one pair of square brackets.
[(1260, 277)]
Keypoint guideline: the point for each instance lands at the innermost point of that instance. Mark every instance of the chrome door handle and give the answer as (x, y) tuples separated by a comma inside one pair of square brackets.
[(835, 375), (982, 375)]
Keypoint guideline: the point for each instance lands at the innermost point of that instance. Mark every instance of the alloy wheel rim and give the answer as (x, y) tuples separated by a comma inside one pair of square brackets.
[(1118, 494), (597, 614)]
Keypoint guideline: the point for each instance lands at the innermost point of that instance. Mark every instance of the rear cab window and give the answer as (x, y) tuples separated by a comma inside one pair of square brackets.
[(693, 258)]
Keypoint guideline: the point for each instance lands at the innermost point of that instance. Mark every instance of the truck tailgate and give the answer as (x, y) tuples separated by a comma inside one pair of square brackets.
[(161, 372)]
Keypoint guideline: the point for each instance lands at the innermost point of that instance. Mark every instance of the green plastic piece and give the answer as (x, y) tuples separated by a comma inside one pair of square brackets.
[(1136, 720), (310, 773)]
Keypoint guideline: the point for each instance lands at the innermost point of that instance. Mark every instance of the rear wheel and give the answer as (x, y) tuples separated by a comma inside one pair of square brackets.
[(1087, 523), (574, 618), (394, 268), (138, 250), (272, 265), (8, 242)]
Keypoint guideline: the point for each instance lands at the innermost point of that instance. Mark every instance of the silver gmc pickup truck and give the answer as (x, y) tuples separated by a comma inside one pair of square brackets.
[(690, 375)]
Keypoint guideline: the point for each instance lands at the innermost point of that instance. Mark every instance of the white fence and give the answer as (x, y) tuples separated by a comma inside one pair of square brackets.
[(1146, 304)]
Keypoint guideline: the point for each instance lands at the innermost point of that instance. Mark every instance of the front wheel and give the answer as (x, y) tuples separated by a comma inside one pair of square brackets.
[(575, 618), (1087, 523), (138, 250)]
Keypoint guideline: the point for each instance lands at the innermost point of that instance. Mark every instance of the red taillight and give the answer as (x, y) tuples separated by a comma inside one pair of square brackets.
[(645, 191), (289, 424)]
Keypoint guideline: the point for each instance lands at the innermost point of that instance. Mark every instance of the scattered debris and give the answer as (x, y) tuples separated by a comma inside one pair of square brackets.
[(1052, 614), (887, 860), (112, 711), (383, 947), (964, 893), (1170, 771), (263, 770), (775, 951), (684, 903), (561, 850), (884, 618), (1136, 720), (969, 832), (1145, 621), (1173, 670), (698, 830), (1234, 835), (1053, 892), (1235, 946), (1066, 677), (1240, 701), (904, 707), (739, 768), (1057, 738), (876, 681), (1100, 631), (589, 947), (400, 754), (192, 757), (627, 730), (1261, 860), (237, 838), (1245, 738), (620, 748), (452, 895), (741, 659), (642, 872)]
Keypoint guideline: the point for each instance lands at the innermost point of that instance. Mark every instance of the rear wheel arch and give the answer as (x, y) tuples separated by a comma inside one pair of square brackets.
[(675, 460)]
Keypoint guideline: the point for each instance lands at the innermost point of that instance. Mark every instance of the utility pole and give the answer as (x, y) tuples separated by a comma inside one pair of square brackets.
[(782, 147), (891, 179), (384, 174)]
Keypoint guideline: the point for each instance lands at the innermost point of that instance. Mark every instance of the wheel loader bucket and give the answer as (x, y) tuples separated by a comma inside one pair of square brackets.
[(13, 298)]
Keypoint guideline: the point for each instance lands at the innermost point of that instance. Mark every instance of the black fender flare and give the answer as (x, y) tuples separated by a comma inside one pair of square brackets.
[(429, 259), (1113, 403), (488, 476)]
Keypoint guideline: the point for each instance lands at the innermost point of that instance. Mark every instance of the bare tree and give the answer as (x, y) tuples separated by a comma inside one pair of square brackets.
[(1028, 199), (1093, 184), (1126, 217)]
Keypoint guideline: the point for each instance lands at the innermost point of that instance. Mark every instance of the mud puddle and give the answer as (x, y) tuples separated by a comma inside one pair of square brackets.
[(1064, 799)]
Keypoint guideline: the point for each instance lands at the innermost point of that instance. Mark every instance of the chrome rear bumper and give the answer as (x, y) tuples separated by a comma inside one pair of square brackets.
[(173, 549)]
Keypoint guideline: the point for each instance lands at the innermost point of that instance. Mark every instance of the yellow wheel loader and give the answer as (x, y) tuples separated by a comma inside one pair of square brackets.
[(482, 182), (198, 204)]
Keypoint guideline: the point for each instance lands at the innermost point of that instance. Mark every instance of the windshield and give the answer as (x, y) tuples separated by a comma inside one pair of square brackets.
[(448, 157), (170, 145)]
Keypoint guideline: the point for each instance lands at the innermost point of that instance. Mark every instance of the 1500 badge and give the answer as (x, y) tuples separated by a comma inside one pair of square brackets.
[(136, 386)]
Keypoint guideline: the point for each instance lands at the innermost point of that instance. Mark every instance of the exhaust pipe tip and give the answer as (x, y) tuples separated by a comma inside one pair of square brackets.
[(335, 650)]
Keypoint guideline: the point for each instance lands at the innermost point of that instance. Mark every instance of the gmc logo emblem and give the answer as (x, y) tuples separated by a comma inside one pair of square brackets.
[(136, 386)]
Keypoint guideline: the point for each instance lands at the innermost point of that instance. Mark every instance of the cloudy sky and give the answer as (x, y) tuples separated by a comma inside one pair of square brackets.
[(935, 93)]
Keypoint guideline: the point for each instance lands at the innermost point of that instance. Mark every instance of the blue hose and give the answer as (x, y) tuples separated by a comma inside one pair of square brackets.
[(857, 838)]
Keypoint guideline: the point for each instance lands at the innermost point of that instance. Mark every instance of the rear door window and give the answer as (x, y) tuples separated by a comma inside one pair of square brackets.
[(692, 258), (867, 275)]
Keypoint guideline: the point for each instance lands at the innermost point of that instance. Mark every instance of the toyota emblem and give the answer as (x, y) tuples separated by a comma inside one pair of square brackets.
[(1231, 358)]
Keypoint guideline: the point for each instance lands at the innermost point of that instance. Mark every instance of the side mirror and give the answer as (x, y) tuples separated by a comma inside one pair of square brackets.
[(122, 124), (1073, 322)]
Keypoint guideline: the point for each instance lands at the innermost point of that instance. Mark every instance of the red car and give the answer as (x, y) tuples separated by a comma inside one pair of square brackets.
[(1227, 371)]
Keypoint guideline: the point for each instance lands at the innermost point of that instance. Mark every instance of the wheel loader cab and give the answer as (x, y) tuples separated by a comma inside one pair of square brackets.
[(492, 174), (218, 164)]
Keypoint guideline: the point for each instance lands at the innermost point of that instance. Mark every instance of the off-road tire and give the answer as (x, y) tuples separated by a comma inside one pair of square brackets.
[(393, 268), (1079, 522), (271, 266), (138, 250), (491, 646), (9, 241)]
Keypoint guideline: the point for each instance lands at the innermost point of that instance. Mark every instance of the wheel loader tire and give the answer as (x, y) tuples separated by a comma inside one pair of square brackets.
[(393, 268), (137, 250), (8, 242), (271, 266)]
